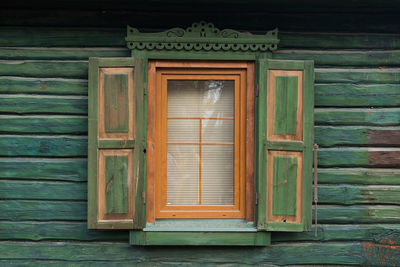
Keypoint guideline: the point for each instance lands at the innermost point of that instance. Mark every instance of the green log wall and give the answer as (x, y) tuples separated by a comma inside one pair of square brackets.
[(43, 134)]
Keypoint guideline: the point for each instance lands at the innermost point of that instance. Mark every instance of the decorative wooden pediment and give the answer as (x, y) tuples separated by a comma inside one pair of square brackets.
[(202, 36)]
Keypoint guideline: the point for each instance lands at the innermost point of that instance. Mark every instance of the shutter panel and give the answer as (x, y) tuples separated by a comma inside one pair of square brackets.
[(285, 140), (115, 131)]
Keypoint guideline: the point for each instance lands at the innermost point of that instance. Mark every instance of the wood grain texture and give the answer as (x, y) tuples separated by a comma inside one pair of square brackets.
[(363, 176), (56, 86), (43, 124)]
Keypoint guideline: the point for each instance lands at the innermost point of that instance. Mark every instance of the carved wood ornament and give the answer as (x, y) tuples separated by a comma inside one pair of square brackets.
[(201, 36)]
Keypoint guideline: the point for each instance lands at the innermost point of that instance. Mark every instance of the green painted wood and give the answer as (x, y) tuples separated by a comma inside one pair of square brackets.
[(16, 53), (116, 185), (353, 116), (317, 253), (66, 169), (199, 238), (109, 143), (14, 104), (327, 136), (359, 176), (38, 210), (284, 186), (324, 40), (342, 57), (62, 37), (364, 76), (45, 69), (43, 146), (357, 95), (349, 195), (53, 230), (57, 86), (351, 232), (40, 190), (43, 124), (285, 105), (116, 103), (290, 146)]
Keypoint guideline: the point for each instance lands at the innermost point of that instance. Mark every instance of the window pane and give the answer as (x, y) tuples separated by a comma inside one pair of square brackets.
[(187, 131), (217, 131), (182, 174), (200, 98), (217, 175)]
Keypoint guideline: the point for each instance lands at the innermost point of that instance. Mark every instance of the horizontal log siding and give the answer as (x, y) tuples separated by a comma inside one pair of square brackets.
[(43, 146)]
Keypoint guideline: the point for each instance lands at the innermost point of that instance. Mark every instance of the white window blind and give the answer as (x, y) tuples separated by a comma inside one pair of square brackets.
[(200, 142)]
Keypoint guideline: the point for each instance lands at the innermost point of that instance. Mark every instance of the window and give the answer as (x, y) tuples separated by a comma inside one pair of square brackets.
[(203, 136), (199, 138)]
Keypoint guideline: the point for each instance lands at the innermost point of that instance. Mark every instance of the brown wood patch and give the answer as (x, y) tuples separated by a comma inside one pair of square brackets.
[(383, 137), (384, 158)]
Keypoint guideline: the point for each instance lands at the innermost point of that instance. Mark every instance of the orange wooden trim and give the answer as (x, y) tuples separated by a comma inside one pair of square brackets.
[(200, 156), (206, 64), (151, 159), (270, 185), (250, 143), (271, 94), (196, 143), (101, 214), (101, 109)]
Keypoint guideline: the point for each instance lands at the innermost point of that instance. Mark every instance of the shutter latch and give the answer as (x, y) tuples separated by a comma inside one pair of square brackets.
[(316, 188)]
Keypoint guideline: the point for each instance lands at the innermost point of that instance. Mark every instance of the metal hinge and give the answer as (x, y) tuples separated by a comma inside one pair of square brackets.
[(257, 89), (256, 198), (145, 88), (144, 197)]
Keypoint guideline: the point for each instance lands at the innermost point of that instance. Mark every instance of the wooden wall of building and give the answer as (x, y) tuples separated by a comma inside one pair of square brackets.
[(43, 134)]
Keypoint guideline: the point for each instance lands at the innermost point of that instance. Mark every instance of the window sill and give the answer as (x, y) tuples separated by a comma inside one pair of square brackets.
[(200, 232)]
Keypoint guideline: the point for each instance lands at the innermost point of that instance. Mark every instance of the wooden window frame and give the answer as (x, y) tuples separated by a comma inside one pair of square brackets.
[(244, 71)]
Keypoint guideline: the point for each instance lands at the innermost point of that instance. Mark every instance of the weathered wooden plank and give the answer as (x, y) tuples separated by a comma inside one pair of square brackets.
[(43, 124), (364, 76), (327, 136), (359, 176), (43, 146), (359, 157), (57, 86), (64, 37), (343, 58), (68, 230), (46, 69), (43, 169), (353, 116), (65, 53), (358, 214), (349, 195), (357, 95), (36, 210), (11, 189), (296, 40), (317, 253), (341, 232), (37, 104)]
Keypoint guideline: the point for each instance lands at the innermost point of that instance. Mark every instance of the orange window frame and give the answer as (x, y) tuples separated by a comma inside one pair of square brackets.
[(242, 73)]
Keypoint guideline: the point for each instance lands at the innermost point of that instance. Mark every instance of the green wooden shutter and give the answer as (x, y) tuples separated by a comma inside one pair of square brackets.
[(116, 142), (285, 115)]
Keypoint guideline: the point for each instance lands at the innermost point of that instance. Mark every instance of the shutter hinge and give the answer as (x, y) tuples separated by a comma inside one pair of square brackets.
[(256, 198), (144, 88), (257, 89), (144, 197)]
